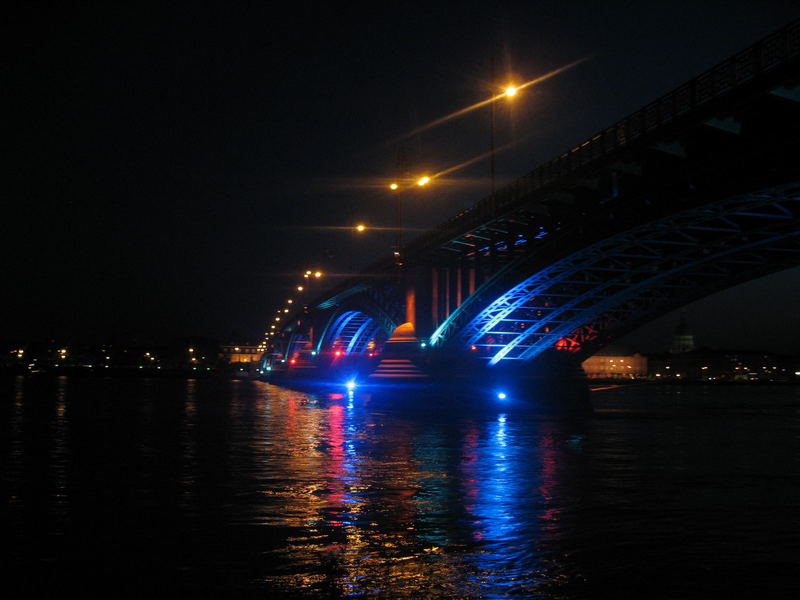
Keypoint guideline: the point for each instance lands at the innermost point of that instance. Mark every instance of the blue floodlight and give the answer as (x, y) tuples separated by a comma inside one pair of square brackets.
[(501, 395), (351, 385)]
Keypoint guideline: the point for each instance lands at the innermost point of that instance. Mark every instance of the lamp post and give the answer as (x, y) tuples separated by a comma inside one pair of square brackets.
[(359, 230), (509, 92), (398, 190)]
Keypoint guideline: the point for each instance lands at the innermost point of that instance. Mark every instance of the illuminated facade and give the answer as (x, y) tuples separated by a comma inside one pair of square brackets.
[(241, 354), (612, 363)]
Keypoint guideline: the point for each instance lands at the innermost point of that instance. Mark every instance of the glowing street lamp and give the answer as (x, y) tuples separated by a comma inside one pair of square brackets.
[(361, 227), (395, 187), (509, 92)]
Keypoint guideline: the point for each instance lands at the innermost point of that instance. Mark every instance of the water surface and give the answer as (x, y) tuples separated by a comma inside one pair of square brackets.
[(210, 487)]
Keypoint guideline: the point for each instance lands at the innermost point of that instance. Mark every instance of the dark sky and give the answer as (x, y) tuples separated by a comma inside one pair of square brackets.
[(174, 167)]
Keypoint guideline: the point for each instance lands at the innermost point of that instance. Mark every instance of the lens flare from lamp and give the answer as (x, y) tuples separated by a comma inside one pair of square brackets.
[(351, 385)]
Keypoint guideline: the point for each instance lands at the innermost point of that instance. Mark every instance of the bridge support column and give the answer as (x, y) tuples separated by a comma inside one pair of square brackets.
[(471, 281), (447, 286), (411, 304), (459, 284), (434, 298)]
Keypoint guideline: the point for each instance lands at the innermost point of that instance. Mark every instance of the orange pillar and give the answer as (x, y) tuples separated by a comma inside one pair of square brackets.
[(435, 297), (446, 293), (411, 306)]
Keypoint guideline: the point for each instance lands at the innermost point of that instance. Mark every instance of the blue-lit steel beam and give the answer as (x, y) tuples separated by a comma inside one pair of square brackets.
[(353, 329), (641, 266), (357, 335)]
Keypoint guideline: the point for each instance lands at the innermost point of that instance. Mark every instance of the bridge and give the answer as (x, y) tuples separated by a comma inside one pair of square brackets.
[(696, 192)]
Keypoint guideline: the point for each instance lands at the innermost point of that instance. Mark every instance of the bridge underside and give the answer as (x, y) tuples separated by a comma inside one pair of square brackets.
[(352, 332), (609, 288)]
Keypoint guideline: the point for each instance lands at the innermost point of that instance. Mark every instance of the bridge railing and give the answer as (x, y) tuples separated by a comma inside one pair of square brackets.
[(737, 71)]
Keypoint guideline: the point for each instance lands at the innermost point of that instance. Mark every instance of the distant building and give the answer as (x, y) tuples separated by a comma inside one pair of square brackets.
[(682, 338), (242, 353), (725, 366), (615, 363)]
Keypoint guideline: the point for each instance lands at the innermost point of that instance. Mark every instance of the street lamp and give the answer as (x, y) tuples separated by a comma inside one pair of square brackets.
[(398, 228), (509, 92)]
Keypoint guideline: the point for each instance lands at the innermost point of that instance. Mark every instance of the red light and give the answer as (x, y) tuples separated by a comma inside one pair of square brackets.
[(292, 361), (338, 353), (473, 347)]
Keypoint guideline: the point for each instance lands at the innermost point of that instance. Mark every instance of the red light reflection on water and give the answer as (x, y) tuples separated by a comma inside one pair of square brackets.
[(335, 471), (549, 454)]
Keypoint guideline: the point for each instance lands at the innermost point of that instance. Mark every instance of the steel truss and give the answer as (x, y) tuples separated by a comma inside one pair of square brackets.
[(628, 277), (351, 331)]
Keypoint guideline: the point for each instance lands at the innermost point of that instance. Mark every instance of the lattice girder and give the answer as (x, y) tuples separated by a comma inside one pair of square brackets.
[(614, 278)]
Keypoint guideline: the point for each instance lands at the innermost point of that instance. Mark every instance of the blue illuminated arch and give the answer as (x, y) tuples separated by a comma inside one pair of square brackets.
[(581, 301), (351, 331)]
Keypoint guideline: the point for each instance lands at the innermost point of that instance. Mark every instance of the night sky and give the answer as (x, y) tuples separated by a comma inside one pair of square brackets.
[(175, 167)]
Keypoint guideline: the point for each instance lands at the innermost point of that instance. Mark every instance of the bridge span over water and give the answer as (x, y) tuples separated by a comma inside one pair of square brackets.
[(696, 192)]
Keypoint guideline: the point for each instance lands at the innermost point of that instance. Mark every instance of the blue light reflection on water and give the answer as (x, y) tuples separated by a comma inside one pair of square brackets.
[(244, 488)]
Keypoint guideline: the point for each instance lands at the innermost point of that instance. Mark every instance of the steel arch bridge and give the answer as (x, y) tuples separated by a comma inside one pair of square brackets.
[(355, 321), (696, 192), (584, 300)]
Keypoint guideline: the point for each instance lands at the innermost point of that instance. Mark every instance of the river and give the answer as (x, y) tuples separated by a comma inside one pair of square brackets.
[(212, 487)]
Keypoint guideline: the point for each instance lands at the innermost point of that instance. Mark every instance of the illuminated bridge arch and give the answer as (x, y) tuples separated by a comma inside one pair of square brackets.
[(582, 301), (351, 331)]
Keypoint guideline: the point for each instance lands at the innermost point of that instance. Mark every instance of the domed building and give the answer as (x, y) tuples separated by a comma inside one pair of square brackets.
[(682, 338)]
